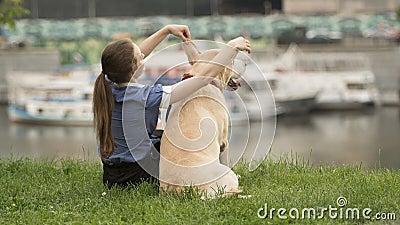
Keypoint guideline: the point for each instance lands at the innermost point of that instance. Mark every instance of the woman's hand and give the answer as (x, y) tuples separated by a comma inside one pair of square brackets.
[(148, 45), (181, 31), (240, 44)]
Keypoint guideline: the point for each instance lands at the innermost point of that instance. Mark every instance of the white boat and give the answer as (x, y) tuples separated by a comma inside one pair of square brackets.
[(291, 98), (342, 80), (63, 98), (267, 95)]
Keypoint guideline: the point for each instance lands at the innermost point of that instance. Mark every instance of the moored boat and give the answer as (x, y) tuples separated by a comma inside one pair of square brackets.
[(63, 98), (343, 80)]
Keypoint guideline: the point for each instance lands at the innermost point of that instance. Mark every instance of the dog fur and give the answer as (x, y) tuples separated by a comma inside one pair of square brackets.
[(195, 135)]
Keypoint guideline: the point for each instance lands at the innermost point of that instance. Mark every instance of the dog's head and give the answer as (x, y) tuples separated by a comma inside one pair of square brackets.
[(228, 77)]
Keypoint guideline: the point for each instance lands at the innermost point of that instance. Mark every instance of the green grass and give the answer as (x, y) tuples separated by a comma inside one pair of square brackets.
[(38, 191)]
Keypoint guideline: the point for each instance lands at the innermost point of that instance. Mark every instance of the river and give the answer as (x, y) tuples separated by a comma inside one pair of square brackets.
[(369, 137)]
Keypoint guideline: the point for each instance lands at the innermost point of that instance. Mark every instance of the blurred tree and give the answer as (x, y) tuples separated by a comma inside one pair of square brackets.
[(398, 14), (11, 9)]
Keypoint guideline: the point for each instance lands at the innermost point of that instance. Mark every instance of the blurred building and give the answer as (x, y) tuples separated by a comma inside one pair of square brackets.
[(66, 9), (339, 6)]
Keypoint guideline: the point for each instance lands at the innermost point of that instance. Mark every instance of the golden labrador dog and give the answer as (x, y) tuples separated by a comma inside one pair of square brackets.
[(195, 135)]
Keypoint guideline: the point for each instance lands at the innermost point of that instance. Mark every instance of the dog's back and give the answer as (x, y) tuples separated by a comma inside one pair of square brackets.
[(195, 134)]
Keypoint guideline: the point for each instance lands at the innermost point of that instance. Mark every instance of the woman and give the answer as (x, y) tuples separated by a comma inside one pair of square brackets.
[(125, 146)]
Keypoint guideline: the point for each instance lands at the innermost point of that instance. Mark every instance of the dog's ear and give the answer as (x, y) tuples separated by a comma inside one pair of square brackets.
[(192, 52)]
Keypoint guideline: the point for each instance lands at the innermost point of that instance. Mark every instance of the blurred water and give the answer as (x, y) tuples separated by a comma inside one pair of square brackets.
[(339, 137), (20, 139), (369, 137)]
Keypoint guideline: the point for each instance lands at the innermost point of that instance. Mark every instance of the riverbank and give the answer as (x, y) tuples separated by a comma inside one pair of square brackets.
[(38, 191)]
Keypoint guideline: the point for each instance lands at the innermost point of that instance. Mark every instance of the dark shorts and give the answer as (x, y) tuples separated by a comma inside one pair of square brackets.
[(125, 174)]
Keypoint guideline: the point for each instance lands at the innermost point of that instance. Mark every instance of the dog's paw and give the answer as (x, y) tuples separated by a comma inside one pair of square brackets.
[(233, 192)]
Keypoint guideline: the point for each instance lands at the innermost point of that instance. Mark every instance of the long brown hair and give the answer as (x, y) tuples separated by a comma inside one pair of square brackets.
[(118, 64)]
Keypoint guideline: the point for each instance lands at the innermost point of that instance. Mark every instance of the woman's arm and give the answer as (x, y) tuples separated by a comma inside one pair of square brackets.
[(209, 70), (150, 43)]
